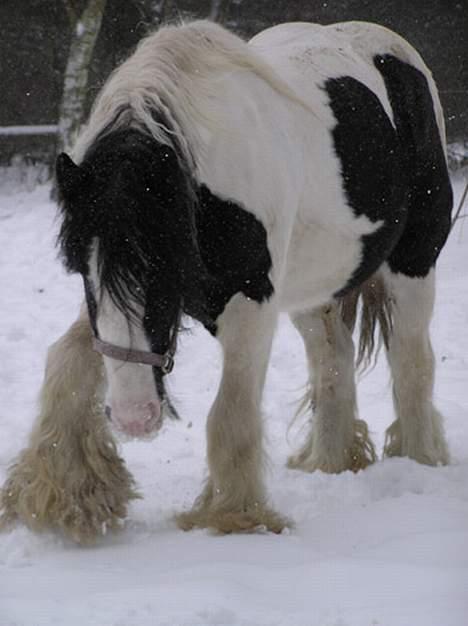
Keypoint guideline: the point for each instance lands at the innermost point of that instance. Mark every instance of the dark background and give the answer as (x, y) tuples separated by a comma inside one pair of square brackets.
[(35, 36)]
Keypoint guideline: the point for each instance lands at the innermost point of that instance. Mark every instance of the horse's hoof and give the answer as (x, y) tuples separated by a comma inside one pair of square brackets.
[(356, 456), (255, 519), (81, 504)]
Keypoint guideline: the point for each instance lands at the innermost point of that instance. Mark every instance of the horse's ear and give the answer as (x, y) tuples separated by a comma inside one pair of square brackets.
[(70, 177)]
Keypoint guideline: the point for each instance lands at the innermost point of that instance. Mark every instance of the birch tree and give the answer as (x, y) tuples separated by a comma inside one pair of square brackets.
[(85, 23)]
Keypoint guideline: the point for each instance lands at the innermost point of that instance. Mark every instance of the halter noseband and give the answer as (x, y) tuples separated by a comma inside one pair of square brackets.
[(165, 362)]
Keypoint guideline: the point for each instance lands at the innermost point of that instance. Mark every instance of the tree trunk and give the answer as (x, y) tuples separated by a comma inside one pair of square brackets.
[(85, 30)]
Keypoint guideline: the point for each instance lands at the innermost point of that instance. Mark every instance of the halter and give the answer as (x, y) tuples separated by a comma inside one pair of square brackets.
[(165, 362)]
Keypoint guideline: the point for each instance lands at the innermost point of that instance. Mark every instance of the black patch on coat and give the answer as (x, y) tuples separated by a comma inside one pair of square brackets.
[(429, 197), (234, 248), (373, 177)]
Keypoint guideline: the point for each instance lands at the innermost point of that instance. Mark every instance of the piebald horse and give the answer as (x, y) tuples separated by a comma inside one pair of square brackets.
[(228, 181)]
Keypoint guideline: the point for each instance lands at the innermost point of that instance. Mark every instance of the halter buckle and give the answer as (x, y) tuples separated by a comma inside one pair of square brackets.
[(168, 365)]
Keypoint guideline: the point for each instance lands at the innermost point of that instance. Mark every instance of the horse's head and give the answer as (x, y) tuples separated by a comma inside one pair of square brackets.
[(128, 230)]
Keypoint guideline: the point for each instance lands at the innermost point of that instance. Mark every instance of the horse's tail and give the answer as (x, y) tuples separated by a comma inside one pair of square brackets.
[(370, 306)]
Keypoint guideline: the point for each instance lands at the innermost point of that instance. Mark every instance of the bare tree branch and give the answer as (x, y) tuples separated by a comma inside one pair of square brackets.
[(71, 12)]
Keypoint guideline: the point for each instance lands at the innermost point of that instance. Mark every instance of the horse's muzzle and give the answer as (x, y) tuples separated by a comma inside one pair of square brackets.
[(137, 421)]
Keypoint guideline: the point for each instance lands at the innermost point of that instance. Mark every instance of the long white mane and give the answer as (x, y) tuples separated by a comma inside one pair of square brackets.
[(172, 71)]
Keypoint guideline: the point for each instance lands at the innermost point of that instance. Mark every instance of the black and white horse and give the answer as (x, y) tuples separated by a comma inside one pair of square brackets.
[(230, 181)]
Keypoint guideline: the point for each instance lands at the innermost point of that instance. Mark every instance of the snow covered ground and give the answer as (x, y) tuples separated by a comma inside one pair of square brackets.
[(385, 547)]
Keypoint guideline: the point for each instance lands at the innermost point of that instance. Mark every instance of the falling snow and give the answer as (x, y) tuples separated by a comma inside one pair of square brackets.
[(385, 547)]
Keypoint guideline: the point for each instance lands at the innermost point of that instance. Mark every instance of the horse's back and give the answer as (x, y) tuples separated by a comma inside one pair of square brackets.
[(344, 48), (306, 55), (380, 136), (365, 39)]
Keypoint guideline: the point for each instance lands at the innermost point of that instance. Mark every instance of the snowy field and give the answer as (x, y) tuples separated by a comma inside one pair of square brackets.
[(385, 547)]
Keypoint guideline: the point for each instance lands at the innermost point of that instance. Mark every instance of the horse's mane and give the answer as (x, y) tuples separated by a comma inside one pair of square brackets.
[(171, 74)]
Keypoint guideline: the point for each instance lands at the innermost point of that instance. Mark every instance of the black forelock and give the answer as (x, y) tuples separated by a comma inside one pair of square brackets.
[(136, 199)]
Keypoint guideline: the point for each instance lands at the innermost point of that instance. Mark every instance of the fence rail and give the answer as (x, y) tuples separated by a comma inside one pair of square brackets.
[(39, 129)]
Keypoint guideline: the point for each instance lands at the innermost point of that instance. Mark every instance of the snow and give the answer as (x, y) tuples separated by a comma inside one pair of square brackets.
[(385, 547), (80, 29), (458, 154)]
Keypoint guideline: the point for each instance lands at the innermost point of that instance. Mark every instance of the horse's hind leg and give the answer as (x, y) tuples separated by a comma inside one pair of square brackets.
[(337, 441), (70, 477), (419, 119), (417, 431)]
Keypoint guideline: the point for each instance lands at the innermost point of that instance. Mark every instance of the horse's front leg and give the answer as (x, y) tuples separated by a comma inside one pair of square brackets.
[(70, 477), (234, 499)]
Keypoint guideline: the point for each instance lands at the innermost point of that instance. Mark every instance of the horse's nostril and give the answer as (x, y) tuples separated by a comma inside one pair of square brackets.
[(108, 412)]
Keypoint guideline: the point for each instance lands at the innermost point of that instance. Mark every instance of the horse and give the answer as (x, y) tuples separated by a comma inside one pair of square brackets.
[(303, 172)]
